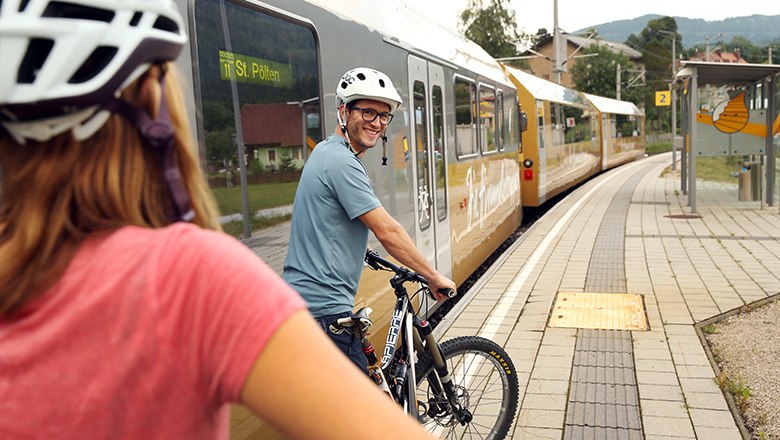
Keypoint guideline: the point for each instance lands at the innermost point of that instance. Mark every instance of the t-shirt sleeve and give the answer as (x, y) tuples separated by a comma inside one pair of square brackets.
[(221, 309), (353, 188)]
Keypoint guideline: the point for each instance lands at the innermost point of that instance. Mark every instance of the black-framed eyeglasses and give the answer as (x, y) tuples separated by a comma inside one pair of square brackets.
[(369, 115)]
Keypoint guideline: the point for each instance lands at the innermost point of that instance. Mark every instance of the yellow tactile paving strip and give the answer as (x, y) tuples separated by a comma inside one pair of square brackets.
[(604, 311)]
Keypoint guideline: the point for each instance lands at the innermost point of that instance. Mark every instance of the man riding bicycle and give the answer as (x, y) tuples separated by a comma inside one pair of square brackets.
[(335, 207)]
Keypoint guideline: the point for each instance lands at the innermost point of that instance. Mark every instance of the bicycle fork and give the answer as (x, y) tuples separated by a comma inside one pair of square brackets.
[(440, 379)]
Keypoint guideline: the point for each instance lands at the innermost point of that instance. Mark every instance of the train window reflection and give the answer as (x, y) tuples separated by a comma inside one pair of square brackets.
[(422, 149), (465, 124), (500, 120), (439, 156), (487, 119), (271, 63), (511, 122)]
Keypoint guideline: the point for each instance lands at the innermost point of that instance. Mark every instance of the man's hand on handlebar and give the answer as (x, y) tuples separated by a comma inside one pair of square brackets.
[(442, 287)]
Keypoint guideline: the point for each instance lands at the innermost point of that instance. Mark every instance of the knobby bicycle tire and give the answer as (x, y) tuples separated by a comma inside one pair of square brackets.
[(485, 381)]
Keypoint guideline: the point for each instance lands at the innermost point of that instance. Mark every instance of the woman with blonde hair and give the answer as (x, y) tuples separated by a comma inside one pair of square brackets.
[(124, 312)]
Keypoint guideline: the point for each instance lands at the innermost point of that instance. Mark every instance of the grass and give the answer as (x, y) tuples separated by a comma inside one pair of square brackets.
[(718, 168), (710, 329), (658, 148), (261, 196), (738, 388), (236, 229)]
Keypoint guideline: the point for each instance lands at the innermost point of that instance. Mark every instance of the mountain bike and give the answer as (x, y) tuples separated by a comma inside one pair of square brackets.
[(465, 387)]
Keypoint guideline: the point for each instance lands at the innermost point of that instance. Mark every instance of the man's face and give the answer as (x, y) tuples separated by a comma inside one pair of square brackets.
[(364, 134)]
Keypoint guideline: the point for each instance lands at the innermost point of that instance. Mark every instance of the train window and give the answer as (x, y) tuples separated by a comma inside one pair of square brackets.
[(542, 112), (422, 148), (265, 68), (439, 156), (500, 120), (487, 119), (465, 124), (511, 122)]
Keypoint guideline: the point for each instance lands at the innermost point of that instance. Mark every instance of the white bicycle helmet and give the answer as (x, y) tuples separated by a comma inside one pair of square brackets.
[(79, 53), (367, 83), (71, 58)]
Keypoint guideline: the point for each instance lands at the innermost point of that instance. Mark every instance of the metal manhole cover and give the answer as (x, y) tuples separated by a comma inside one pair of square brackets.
[(683, 216), (603, 311)]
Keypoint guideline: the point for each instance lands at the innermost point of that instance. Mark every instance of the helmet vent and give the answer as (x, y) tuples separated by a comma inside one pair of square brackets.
[(381, 82), (361, 77), (344, 84), (74, 11), (166, 24), (98, 60), (136, 18), (22, 5), (37, 52)]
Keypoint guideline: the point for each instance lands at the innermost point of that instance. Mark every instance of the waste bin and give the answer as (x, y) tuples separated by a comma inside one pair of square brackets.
[(750, 182)]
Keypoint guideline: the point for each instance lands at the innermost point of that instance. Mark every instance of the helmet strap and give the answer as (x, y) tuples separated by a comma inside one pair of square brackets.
[(343, 127), (159, 134), (384, 150)]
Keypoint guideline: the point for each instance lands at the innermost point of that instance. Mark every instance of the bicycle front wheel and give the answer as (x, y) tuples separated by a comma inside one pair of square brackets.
[(485, 383)]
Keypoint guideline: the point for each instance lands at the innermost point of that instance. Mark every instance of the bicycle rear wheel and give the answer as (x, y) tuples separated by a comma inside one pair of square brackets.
[(485, 381)]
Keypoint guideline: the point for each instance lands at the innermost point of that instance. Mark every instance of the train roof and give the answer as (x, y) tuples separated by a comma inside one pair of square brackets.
[(609, 105), (547, 90), (407, 27)]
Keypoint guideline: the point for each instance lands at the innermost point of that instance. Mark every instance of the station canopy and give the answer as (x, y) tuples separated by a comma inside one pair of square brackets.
[(721, 74)]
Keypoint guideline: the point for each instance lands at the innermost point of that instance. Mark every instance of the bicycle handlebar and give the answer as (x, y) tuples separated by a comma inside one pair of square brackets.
[(376, 262)]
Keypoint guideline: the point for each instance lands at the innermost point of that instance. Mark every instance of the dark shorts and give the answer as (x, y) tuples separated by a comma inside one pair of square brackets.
[(346, 341)]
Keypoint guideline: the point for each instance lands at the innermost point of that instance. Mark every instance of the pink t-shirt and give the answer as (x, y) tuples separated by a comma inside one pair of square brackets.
[(147, 335)]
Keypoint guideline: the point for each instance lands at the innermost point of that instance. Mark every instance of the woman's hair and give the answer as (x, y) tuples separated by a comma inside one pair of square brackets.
[(56, 193)]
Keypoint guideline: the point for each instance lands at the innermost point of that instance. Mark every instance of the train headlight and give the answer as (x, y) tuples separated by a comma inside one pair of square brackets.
[(528, 163)]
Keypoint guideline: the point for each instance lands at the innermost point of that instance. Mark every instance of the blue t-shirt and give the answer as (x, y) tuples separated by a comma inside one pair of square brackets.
[(327, 240)]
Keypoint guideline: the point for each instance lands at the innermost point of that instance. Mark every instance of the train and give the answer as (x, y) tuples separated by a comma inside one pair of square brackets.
[(571, 136), (472, 144)]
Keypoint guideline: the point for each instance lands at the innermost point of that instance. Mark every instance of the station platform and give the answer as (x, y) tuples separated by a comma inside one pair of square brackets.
[(625, 234)]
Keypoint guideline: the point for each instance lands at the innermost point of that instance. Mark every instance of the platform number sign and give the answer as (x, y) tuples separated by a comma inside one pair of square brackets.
[(663, 98)]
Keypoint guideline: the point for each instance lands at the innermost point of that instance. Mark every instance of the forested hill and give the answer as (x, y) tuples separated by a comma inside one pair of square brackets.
[(759, 29)]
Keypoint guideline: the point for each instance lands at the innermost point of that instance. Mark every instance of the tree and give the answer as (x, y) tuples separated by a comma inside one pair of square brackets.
[(747, 50), (597, 74), (493, 27), (656, 46)]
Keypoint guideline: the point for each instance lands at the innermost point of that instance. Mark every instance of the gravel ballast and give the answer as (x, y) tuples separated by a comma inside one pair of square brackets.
[(747, 349)]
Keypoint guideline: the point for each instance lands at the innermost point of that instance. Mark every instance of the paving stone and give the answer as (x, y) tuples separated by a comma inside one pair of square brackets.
[(711, 418), (666, 426)]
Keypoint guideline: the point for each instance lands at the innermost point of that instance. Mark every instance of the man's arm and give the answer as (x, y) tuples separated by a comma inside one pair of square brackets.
[(398, 244)]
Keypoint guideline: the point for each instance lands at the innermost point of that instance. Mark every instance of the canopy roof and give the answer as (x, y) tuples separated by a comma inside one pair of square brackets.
[(719, 74)]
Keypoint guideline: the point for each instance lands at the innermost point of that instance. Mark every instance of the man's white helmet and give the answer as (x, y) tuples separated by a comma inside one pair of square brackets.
[(367, 83)]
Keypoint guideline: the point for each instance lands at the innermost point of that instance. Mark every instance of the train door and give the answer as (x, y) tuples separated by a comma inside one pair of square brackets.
[(426, 81)]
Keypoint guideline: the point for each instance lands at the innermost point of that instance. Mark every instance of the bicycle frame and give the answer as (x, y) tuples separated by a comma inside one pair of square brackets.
[(411, 349), (416, 335)]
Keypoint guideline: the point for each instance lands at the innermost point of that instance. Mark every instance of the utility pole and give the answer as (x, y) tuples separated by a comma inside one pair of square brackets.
[(557, 49), (617, 81), (674, 95)]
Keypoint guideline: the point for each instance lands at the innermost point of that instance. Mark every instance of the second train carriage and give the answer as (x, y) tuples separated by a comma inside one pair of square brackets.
[(571, 136), (560, 146), (621, 130)]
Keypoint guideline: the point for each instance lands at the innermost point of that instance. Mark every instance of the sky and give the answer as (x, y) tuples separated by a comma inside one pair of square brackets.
[(574, 15)]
